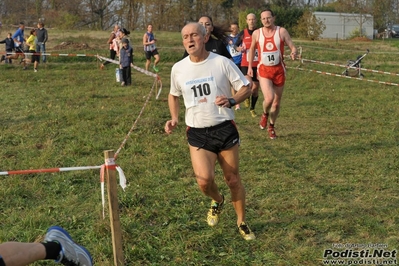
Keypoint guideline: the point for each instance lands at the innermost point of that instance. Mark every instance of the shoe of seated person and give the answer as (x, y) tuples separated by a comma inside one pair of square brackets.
[(71, 253)]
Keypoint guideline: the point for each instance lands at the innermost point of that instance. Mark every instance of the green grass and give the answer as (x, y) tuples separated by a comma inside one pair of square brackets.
[(330, 177)]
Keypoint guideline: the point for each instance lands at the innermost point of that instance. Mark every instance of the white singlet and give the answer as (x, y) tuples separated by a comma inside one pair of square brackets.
[(270, 48), (200, 83)]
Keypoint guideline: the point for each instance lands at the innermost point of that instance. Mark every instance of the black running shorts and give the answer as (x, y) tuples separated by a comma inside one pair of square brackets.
[(2, 262), (216, 138), (149, 54), (35, 56), (244, 70)]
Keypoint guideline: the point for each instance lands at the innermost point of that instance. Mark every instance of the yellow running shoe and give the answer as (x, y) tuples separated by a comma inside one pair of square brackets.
[(253, 114), (247, 102), (245, 232), (214, 211)]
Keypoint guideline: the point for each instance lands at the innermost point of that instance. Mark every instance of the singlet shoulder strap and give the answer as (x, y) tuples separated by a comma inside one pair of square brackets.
[(260, 34)]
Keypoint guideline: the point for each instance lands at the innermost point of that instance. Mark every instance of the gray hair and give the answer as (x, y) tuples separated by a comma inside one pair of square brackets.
[(200, 27), (251, 15)]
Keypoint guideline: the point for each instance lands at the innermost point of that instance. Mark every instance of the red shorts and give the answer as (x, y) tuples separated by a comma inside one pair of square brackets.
[(275, 73)]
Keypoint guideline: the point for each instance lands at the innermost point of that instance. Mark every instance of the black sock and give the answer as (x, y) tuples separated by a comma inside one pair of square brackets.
[(254, 99), (271, 125), (52, 250)]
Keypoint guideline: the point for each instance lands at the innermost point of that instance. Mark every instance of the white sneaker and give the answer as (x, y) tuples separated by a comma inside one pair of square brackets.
[(35, 70), (71, 253)]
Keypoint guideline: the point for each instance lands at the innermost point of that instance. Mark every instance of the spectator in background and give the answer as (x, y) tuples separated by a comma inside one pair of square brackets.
[(126, 62), (9, 42), (116, 45), (32, 42), (113, 44), (123, 34), (19, 40), (42, 37), (150, 48)]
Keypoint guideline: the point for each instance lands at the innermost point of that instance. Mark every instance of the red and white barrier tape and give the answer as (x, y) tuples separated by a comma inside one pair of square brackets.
[(345, 66), (135, 122), (110, 164), (343, 76), (50, 54), (157, 80), (122, 178), (146, 72), (48, 170)]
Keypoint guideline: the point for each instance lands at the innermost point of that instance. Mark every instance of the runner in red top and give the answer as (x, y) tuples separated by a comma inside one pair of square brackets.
[(270, 41), (244, 44)]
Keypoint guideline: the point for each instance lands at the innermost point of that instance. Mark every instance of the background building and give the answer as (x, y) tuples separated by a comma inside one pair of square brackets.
[(343, 25)]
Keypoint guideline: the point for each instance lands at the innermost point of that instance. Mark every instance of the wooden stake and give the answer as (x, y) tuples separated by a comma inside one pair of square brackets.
[(113, 207)]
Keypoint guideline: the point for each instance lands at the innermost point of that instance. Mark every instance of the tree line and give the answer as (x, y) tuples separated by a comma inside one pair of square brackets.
[(172, 15)]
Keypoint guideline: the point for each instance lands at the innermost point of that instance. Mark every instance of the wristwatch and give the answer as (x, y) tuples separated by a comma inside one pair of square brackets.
[(232, 102)]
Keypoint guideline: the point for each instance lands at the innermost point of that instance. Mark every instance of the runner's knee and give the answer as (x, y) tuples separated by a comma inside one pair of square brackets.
[(232, 180)]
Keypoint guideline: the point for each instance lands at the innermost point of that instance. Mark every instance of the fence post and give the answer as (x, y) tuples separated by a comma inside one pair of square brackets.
[(113, 207)]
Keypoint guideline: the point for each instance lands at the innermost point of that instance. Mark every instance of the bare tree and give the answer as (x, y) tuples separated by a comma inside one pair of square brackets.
[(283, 3), (384, 14)]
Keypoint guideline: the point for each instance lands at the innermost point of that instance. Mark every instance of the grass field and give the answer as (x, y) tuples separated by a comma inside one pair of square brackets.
[(330, 178)]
